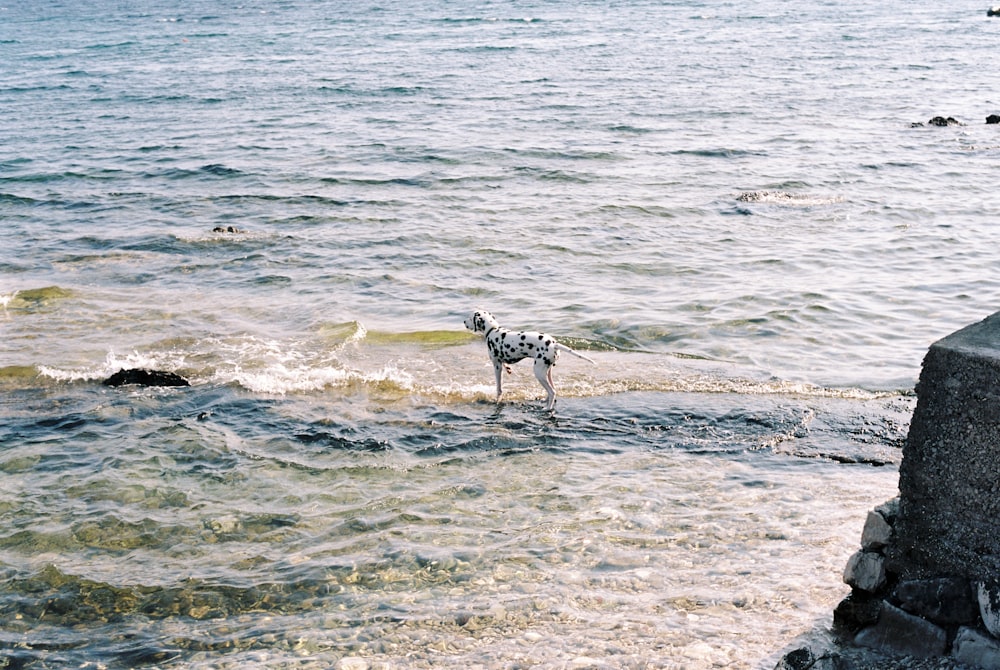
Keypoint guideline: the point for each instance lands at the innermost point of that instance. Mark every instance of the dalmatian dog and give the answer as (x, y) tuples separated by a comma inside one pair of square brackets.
[(509, 346)]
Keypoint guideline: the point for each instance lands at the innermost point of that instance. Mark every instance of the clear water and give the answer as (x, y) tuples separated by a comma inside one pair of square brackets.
[(728, 208)]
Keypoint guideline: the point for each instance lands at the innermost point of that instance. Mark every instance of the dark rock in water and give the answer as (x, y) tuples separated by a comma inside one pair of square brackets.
[(993, 11), (993, 118), (226, 229), (942, 121), (145, 378)]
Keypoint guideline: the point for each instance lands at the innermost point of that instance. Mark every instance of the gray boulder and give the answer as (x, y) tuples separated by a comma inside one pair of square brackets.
[(897, 632), (866, 571), (989, 606), (945, 600), (876, 533), (976, 649)]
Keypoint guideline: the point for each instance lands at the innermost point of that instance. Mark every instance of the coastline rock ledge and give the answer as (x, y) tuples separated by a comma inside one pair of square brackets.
[(925, 584)]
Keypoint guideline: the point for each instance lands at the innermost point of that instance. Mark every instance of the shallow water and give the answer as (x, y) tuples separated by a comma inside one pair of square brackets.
[(732, 212), (213, 528)]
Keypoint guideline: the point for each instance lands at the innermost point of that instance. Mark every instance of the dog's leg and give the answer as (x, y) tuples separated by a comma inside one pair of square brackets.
[(543, 372), (498, 368)]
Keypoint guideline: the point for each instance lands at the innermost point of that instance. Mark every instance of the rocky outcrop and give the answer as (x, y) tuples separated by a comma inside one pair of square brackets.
[(145, 377), (917, 617), (925, 582), (949, 478)]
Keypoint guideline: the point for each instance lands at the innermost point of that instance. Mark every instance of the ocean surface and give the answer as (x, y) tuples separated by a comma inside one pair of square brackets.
[(739, 211)]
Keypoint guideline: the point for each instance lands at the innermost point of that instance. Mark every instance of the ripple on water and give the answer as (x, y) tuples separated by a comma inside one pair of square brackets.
[(265, 530)]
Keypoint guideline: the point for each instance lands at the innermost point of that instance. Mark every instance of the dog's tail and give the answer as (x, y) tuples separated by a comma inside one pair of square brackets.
[(570, 350)]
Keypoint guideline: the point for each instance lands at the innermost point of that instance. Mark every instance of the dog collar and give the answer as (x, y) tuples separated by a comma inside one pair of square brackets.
[(490, 331)]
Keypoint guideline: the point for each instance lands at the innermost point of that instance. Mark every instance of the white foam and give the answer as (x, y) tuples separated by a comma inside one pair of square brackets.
[(280, 379), (113, 363), (360, 333)]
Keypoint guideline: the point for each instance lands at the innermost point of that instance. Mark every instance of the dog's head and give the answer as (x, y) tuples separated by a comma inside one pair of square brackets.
[(480, 322)]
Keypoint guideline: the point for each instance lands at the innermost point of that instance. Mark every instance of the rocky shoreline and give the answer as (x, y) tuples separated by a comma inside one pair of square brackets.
[(892, 623), (925, 583)]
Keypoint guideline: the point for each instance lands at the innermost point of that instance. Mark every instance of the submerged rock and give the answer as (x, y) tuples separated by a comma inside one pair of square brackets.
[(993, 118), (145, 377), (943, 121)]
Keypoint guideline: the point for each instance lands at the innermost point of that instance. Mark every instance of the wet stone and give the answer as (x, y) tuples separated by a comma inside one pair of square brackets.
[(799, 659), (897, 632), (143, 377), (976, 649), (946, 600)]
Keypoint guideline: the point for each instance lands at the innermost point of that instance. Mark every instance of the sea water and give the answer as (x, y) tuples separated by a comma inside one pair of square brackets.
[(738, 211)]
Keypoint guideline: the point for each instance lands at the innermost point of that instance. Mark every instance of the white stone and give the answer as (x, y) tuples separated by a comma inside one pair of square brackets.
[(976, 649), (866, 571), (989, 607), (876, 533), (352, 663)]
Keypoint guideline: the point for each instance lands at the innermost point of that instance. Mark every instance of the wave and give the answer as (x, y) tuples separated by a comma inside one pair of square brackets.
[(430, 338), (487, 19), (32, 298), (208, 170), (719, 152), (445, 367), (154, 360), (18, 373), (786, 198)]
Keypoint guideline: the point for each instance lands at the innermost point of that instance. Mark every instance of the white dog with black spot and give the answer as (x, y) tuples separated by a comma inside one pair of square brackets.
[(509, 346)]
